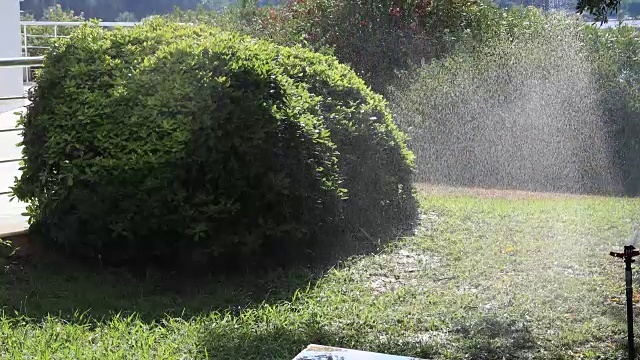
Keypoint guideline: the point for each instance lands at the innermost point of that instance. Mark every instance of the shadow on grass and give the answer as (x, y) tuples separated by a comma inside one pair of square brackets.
[(36, 289), (618, 313), (494, 337), (277, 342), (286, 341), (39, 285)]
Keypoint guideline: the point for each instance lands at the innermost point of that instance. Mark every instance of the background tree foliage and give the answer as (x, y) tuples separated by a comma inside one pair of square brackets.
[(126, 10)]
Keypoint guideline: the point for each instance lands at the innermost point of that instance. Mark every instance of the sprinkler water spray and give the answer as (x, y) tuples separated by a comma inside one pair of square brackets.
[(629, 253)]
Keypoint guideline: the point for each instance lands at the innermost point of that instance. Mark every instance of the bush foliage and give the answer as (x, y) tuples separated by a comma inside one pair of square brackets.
[(187, 144)]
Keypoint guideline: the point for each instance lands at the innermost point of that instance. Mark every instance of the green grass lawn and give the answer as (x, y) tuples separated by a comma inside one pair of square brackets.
[(482, 279)]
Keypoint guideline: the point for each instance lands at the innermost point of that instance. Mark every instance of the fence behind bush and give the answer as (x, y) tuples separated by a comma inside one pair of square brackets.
[(37, 36)]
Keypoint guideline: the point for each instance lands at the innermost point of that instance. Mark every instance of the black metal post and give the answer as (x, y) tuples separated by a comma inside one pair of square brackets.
[(629, 253), (629, 291)]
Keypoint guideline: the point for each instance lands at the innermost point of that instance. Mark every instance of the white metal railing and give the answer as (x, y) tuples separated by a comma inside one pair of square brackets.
[(4, 128), (78, 23), (51, 30), (18, 62)]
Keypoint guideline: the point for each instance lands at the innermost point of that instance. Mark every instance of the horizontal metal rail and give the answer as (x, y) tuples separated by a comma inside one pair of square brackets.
[(11, 130), (10, 161), (47, 36), (78, 23), (8, 98), (21, 61)]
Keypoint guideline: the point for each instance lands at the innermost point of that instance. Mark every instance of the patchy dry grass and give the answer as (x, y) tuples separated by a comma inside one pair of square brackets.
[(485, 277)]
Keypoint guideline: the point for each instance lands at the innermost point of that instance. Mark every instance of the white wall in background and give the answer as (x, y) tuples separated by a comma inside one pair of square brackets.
[(10, 78)]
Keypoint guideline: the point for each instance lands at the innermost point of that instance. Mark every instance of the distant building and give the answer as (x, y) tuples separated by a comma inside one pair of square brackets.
[(613, 23), (267, 2)]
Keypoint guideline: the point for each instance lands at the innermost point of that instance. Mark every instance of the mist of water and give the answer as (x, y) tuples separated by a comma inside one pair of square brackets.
[(522, 115)]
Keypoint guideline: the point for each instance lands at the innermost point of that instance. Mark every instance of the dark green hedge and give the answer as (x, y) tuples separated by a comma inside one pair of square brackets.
[(185, 144)]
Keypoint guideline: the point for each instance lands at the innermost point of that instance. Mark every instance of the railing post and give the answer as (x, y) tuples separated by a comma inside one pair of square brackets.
[(26, 70)]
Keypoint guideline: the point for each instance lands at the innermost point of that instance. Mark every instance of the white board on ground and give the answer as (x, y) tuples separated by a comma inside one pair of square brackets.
[(319, 352)]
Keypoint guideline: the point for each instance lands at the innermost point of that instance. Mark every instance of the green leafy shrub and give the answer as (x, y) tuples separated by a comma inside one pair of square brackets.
[(186, 144)]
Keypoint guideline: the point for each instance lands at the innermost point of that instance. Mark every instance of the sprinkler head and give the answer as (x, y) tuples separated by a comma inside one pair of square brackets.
[(629, 253)]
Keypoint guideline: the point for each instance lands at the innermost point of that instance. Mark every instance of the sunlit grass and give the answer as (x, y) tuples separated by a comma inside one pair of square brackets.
[(482, 279)]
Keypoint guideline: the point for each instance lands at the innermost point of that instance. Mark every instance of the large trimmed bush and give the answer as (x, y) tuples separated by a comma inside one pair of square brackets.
[(185, 144)]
